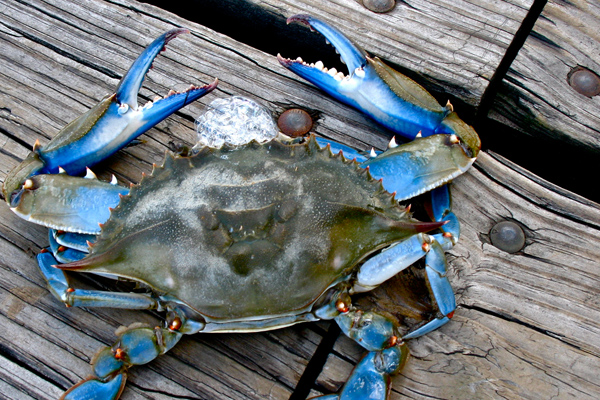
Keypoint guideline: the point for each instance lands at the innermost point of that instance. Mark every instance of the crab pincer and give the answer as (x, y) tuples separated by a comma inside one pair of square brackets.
[(106, 128), (389, 97)]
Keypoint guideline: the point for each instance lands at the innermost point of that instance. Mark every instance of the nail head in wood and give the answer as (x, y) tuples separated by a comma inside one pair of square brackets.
[(295, 122), (508, 236), (584, 81), (379, 6)]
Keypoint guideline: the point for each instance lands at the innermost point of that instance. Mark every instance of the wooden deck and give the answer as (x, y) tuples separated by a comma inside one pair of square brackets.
[(527, 325)]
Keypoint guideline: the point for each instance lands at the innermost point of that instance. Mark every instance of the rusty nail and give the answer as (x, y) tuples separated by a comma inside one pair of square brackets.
[(295, 122)]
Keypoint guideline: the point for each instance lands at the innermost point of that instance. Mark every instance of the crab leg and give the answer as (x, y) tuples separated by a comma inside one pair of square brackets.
[(440, 210), (76, 241), (106, 128), (65, 202), (387, 355), (136, 345), (60, 288), (62, 253), (396, 258)]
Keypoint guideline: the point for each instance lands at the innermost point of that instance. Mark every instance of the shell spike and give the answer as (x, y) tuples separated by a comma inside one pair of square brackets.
[(113, 180), (37, 146), (420, 134), (372, 153), (168, 161), (61, 170), (392, 144)]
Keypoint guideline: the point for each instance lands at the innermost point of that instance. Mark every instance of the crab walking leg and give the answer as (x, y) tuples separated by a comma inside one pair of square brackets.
[(76, 241), (60, 288), (62, 253), (440, 209), (387, 356), (391, 261), (370, 379), (135, 346)]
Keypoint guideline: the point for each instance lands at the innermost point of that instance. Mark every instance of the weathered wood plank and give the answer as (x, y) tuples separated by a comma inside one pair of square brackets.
[(527, 325), (536, 98), (17, 383), (516, 311)]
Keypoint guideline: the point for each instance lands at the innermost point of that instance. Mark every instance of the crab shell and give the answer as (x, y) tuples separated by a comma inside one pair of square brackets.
[(254, 238)]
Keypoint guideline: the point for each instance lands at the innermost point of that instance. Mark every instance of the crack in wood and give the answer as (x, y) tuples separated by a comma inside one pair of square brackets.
[(511, 53), (317, 362), (509, 318), (9, 355)]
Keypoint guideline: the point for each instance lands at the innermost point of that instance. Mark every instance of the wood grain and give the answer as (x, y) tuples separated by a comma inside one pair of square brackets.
[(536, 98), (527, 324)]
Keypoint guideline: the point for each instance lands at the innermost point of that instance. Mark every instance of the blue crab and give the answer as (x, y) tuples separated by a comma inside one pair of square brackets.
[(288, 228)]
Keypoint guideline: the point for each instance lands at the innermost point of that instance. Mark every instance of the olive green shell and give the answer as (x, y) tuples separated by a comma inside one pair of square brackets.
[(257, 231)]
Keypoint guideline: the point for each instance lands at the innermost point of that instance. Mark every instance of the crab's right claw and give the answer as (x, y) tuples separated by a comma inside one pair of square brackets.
[(107, 127), (389, 97), (333, 82)]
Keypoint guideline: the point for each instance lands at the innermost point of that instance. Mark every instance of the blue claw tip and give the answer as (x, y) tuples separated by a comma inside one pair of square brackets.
[(131, 83)]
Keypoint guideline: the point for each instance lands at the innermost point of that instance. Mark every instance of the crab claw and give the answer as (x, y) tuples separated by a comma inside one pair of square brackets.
[(392, 99), (107, 127)]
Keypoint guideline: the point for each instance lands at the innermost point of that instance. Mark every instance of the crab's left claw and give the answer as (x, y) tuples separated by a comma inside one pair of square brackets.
[(389, 97), (107, 127)]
